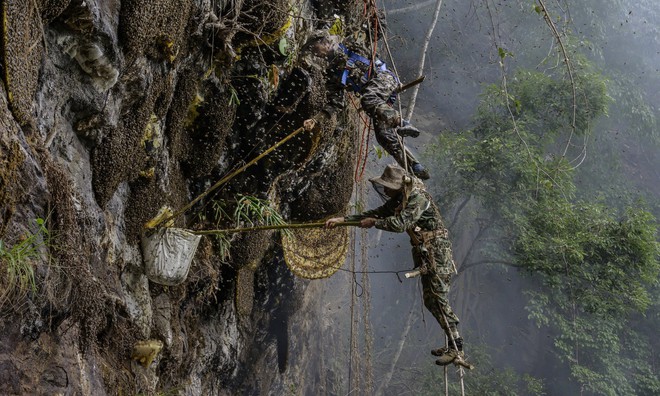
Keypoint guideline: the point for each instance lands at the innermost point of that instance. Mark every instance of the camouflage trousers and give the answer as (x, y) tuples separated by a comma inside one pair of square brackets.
[(385, 119), (436, 256)]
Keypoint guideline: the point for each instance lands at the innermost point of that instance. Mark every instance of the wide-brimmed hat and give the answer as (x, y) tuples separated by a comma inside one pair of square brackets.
[(392, 177)]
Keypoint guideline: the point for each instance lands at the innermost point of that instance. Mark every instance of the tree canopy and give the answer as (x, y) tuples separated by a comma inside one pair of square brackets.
[(595, 267)]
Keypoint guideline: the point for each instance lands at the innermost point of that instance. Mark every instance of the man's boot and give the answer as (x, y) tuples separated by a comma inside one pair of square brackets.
[(439, 351), (420, 171), (448, 355), (408, 130)]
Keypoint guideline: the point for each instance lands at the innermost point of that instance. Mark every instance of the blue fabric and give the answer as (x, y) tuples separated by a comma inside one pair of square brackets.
[(351, 63)]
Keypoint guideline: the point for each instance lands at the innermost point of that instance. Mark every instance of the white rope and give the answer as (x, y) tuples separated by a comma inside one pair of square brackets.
[(398, 80)]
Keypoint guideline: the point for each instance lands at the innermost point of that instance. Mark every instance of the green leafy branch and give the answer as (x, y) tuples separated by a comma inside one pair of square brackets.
[(254, 211), (249, 211)]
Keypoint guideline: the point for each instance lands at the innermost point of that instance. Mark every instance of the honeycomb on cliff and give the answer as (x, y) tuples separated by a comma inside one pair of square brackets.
[(206, 135), (51, 9), (147, 24), (248, 248), (264, 18), (245, 291), (11, 158), (315, 253), (22, 49)]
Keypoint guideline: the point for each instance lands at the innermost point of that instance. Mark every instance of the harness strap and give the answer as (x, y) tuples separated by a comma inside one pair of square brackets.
[(419, 237), (353, 59)]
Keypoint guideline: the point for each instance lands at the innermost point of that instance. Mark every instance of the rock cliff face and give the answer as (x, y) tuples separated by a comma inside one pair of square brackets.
[(110, 110)]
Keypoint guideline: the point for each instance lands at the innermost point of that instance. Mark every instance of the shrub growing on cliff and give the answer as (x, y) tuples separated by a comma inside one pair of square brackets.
[(17, 274)]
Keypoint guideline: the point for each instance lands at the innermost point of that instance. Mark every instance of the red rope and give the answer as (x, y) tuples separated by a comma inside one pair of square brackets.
[(364, 155), (363, 151), (375, 47)]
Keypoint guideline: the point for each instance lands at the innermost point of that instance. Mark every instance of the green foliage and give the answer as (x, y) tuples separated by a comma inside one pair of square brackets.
[(246, 211), (544, 104), (17, 275), (380, 153), (598, 266), (633, 107), (503, 53), (233, 98), (253, 211), (597, 272)]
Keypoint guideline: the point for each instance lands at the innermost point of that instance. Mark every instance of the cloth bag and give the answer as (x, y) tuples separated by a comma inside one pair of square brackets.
[(168, 254)]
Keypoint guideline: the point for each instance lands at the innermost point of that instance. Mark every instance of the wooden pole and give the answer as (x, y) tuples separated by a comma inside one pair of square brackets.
[(273, 227), (414, 82), (230, 176)]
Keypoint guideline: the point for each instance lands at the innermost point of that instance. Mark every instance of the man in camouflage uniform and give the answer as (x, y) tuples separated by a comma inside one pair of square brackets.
[(411, 208), (376, 86)]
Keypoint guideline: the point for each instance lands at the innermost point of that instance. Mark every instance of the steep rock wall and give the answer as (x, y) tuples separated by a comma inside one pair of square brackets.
[(110, 110)]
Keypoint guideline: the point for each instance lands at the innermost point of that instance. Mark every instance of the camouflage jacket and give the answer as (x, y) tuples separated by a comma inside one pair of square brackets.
[(418, 212)]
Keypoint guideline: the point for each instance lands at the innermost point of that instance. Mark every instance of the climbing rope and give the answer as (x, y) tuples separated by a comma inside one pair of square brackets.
[(400, 139), (374, 43), (363, 151), (366, 301), (354, 356), (360, 366), (458, 361)]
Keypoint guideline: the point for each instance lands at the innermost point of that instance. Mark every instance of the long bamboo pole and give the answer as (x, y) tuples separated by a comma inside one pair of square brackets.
[(230, 176), (273, 227)]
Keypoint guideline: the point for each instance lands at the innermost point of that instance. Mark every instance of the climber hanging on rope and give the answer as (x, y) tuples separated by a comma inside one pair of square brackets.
[(410, 208), (377, 87)]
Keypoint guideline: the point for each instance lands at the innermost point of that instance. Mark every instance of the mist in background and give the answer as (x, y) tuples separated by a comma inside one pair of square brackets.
[(392, 332)]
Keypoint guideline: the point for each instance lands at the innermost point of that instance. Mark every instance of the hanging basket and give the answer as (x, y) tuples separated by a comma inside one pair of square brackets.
[(168, 254)]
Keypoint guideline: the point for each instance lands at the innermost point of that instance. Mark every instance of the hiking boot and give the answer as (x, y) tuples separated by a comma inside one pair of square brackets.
[(421, 172), (449, 356), (408, 130), (446, 351), (439, 351)]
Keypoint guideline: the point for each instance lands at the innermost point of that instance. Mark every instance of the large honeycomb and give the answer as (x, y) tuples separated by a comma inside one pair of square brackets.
[(208, 131), (185, 100), (148, 25), (22, 50), (250, 248), (120, 156), (245, 291), (51, 9)]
